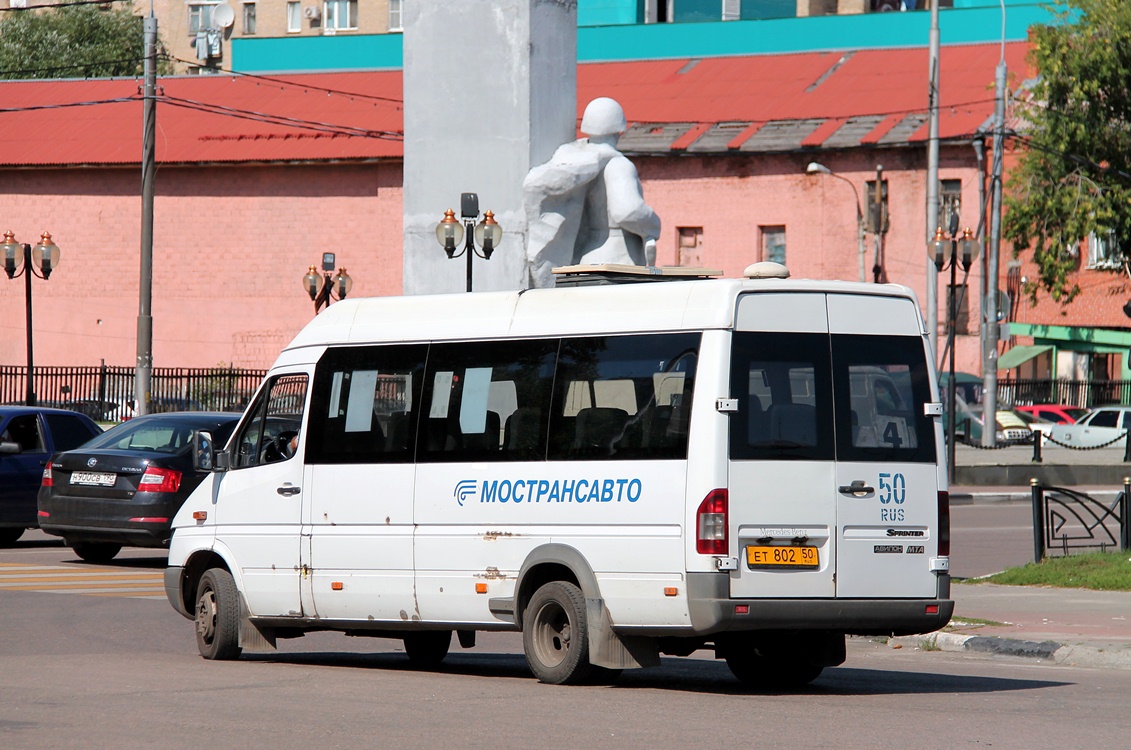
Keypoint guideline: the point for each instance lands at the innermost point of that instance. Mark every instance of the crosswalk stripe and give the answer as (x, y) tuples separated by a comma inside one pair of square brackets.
[(64, 580)]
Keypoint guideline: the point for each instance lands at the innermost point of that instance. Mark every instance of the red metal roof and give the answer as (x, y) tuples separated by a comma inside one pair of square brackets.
[(752, 104)]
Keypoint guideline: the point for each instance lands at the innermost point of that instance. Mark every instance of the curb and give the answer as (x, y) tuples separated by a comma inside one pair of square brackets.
[(1080, 656)]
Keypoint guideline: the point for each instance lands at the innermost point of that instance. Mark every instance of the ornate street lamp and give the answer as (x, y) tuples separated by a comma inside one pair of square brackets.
[(815, 168), (45, 256), (951, 252), (323, 288), (481, 238)]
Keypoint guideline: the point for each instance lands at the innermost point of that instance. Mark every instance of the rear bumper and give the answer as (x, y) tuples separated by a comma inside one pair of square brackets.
[(135, 535), (714, 611)]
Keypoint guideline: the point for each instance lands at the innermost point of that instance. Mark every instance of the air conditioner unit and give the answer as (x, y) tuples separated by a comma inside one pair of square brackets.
[(313, 12)]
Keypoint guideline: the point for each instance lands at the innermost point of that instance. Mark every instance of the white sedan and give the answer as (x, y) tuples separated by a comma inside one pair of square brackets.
[(1103, 425)]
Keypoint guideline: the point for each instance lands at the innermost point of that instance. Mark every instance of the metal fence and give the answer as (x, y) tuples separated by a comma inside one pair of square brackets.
[(106, 393), (1068, 521), (1083, 393)]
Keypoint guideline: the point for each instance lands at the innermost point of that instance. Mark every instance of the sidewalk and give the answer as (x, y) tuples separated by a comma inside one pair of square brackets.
[(1069, 626)]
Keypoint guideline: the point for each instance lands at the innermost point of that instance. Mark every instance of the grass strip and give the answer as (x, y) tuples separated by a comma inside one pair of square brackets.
[(1099, 571)]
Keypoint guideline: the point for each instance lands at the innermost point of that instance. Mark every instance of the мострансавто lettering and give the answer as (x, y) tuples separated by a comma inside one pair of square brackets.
[(560, 491)]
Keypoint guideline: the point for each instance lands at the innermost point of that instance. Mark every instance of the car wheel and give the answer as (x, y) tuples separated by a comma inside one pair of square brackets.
[(8, 536), (427, 648), (555, 635), (96, 552), (217, 616)]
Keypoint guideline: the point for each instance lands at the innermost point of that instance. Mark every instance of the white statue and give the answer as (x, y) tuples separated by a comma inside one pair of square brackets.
[(585, 204)]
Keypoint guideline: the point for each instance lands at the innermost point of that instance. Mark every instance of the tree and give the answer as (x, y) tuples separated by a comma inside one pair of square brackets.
[(1074, 178), (72, 41)]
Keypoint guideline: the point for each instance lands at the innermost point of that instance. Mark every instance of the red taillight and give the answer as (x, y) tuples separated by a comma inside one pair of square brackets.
[(47, 481), (944, 524), (159, 480), (711, 524)]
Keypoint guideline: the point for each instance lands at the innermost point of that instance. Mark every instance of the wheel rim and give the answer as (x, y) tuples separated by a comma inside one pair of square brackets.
[(552, 631), (206, 615)]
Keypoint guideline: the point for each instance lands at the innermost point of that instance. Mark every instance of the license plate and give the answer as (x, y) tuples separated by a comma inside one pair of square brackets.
[(782, 557), (96, 478)]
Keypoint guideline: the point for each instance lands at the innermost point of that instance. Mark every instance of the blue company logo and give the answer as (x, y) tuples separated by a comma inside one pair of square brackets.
[(548, 491)]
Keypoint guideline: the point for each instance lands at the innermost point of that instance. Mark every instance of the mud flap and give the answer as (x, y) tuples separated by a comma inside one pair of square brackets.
[(253, 638), (612, 651)]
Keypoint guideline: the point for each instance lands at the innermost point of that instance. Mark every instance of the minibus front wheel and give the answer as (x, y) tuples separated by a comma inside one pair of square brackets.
[(217, 615)]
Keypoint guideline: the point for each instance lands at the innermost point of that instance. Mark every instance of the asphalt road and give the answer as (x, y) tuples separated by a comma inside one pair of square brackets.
[(986, 538), (93, 656)]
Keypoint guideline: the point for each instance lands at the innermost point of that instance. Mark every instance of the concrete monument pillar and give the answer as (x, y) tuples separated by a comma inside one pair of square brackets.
[(490, 91)]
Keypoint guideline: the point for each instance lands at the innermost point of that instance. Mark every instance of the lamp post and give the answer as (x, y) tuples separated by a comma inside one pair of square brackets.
[(482, 238), (46, 256), (945, 252), (323, 289), (815, 168)]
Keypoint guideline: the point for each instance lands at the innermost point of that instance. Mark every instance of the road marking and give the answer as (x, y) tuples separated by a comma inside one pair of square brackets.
[(57, 579)]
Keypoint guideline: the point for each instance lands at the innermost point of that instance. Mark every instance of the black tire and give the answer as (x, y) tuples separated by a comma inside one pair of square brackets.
[(427, 648), (555, 635), (756, 665), (96, 552), (9, 535), (217, 616)]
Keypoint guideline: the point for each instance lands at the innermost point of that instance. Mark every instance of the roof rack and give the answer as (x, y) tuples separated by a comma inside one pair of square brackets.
[(594, 274)]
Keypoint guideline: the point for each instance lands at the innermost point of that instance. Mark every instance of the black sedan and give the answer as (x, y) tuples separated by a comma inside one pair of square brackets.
[(124, 487)]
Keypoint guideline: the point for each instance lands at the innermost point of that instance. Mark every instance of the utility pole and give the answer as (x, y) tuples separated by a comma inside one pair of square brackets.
[(931, 300), (989, 350), (144, 371)]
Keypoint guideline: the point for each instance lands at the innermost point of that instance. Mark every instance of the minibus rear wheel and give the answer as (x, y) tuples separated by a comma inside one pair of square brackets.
[(555, 635), (427, 648), (218, 616)]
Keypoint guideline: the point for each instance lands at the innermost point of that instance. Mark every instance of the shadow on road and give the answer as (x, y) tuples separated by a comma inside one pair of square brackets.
[(685, 675)]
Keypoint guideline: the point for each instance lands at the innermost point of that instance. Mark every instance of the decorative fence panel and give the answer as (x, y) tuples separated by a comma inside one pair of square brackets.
[(1069, 522)]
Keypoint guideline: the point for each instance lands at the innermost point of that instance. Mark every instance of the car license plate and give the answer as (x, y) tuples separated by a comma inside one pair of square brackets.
[(782, 557), (96, 478)]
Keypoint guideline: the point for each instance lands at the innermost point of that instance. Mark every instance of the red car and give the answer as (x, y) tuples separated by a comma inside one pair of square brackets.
[(1057, 413)]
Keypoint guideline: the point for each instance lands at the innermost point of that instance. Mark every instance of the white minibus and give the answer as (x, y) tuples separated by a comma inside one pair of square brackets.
[(628, 465)]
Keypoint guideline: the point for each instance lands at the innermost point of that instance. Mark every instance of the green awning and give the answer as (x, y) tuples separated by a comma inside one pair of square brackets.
[(1019, 355)]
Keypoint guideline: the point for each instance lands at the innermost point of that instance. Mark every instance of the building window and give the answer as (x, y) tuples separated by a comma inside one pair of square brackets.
[(339, 15), (294, 17), (396, 19), (249, 18), (657, 11), (690, 238), (870, 208), (773, 244), (950, 203), (1104, 251), (200, 18)]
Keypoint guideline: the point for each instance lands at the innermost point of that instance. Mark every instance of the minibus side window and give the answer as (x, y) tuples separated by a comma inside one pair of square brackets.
[(487, 401), (624, 397), (784, 389), (274, 421), (365, 404), (881, 384)]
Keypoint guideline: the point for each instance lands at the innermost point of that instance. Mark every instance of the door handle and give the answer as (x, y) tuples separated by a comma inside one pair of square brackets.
[(288, 489), (856, 489)]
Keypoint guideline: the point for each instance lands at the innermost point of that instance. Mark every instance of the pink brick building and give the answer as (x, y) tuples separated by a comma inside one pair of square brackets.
[(246, 201)]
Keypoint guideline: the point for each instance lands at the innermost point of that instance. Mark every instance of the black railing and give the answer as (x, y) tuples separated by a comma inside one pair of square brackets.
[(1082, 393), (106, 392), (1067, 521)]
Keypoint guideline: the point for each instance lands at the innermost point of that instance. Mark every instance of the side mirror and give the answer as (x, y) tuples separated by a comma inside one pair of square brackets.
[(6, 447), (205, 456)]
